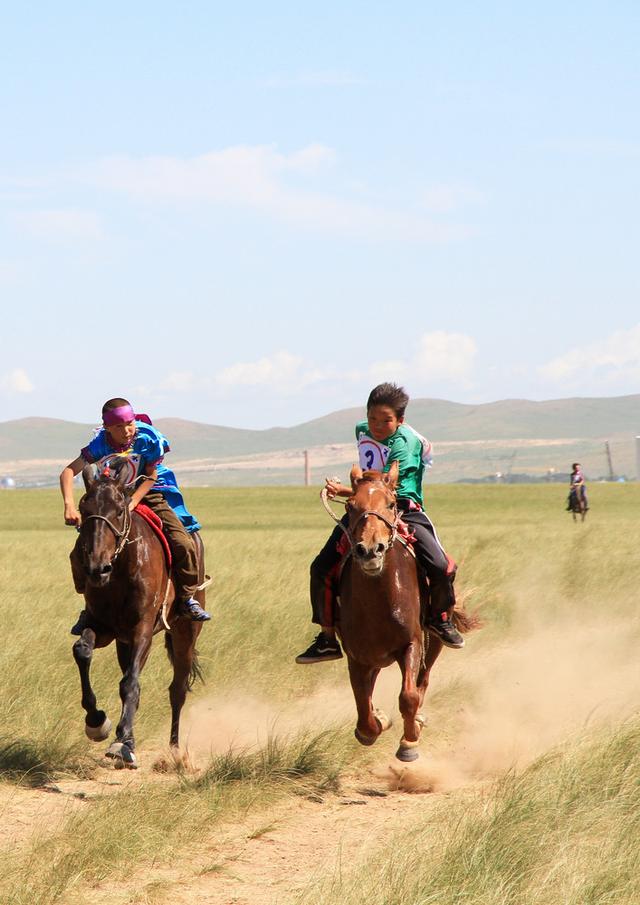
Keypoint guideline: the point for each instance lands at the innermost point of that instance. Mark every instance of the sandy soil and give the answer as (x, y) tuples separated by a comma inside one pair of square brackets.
[(271, 856), (268, 857)]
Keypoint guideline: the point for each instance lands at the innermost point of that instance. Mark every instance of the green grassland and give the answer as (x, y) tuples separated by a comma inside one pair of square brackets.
[(547, 821)]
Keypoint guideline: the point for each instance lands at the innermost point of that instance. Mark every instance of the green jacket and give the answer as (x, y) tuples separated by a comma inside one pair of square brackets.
[(403, 447)]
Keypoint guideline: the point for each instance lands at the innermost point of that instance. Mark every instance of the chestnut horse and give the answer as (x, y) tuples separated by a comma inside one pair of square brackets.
[(129, 596), (380, 619)]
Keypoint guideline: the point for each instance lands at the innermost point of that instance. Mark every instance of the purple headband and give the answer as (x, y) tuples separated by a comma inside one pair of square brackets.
[(122, 415)]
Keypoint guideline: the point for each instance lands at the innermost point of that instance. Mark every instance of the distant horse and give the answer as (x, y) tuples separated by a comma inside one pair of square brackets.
[(577, 502), (129, 596), (382, 613)]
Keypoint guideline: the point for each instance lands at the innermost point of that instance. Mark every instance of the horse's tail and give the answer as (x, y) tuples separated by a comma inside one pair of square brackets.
[(196, 670), (463, 620)]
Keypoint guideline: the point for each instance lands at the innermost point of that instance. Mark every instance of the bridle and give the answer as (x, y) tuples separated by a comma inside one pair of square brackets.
[(392, 525), (122, 537), (349, 529)]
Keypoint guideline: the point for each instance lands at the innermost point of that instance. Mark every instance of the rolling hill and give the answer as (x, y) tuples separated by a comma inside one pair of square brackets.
[(472, 441)]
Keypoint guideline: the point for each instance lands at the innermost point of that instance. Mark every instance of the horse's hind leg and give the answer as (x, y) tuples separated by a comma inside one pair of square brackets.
[(97, 724), (131, 659), (181, 649), (363, 678)]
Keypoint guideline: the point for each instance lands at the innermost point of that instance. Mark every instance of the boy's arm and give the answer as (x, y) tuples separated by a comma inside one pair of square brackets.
[(146, 480), (71, 514)]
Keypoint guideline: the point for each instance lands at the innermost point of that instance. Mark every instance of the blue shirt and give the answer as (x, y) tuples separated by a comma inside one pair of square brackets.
[(148, 448)]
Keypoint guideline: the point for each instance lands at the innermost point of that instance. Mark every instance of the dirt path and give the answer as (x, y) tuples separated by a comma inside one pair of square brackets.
[(268, 858), (263, 863), (274, 855)]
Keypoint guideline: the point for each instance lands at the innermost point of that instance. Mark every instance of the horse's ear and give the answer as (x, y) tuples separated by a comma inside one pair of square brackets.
[(122, 474), (391, 477), (356, 475), (88, 476)]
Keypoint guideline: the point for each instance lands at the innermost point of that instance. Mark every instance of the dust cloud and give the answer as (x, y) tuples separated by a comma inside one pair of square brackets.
[(497, 706)]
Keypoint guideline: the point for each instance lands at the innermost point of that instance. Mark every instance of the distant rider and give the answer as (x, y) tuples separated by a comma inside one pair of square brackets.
[(577, 486)]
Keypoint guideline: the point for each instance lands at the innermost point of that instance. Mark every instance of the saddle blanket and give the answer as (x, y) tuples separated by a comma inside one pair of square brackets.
[(155, 522)]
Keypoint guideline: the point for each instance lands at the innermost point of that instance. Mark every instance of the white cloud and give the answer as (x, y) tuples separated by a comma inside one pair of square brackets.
[(16, 381), (282, 371), (241, 174), (178, 382), (614, 359), (438, 356), (445, 359), (259, 177), (59, 225), (445, 356)]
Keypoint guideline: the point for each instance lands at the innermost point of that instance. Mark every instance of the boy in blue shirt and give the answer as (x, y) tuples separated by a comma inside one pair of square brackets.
[(383, 439), (125, 434)]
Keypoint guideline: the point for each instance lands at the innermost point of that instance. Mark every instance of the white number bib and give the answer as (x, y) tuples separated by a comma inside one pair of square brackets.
[(372, 455)]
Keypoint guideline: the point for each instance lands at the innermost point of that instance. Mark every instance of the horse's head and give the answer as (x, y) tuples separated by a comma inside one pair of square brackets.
[(373, 516), (106, 519)]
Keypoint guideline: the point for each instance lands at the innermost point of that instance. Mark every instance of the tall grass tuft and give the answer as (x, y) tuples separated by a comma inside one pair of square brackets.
[(36, 763), (564, 832), (281, 762), (124, 831)]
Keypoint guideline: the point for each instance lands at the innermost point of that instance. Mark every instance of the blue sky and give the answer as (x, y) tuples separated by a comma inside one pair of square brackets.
[(250, 215)]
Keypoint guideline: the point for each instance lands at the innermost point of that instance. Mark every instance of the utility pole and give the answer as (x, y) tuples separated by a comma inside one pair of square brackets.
[(612, 476), (307, 469)]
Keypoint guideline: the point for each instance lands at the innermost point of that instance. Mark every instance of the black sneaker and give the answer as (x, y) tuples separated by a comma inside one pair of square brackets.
[(446, 631), (323, 648), (81, 624), (194, 611)]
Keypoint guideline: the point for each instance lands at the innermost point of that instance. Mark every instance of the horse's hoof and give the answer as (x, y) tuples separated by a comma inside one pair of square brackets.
[(366, 740), (382, 720), (122, 756), (98, 733), (407, 755)]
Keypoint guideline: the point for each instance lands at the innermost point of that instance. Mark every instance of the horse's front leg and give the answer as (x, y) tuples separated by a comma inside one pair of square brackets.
[(410, 699), (370, 724), (97, 724), (132, 658)]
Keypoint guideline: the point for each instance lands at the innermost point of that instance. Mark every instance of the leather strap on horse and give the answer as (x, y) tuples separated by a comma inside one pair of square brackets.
[(324, 496), (395, 535)]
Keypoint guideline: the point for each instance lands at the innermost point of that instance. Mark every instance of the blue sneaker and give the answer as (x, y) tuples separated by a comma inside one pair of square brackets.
[(193, 610)]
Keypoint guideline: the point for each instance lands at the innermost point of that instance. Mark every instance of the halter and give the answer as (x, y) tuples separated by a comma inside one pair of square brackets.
[(121, 536), (392, 525)]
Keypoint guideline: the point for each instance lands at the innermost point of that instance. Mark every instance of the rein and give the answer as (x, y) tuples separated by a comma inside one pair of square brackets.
[(392, 525)]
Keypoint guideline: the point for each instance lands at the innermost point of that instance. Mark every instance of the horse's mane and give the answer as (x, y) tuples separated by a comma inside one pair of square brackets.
[(371, 477)]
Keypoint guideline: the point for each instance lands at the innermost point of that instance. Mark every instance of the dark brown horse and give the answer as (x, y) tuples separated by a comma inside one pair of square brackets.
[(380, 620), (577, 502), (129, 596)]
